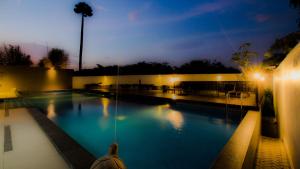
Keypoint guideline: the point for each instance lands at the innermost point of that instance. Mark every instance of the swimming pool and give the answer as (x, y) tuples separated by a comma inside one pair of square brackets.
[(149, 136)]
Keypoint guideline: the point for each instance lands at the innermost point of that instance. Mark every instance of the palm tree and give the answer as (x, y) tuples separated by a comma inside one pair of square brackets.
[(86, 11)]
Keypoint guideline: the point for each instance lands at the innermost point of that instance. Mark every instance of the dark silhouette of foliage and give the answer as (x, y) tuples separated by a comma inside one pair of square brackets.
[(204, 66), (295, 3), (244, 57), (56, 58), (13, 56), (144, 68), (147, 68), (86, 11), (280, 48)]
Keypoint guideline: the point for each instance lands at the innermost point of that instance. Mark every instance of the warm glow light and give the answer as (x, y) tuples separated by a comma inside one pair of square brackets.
[(174, 79), (51, 110), (164, 113), (105, 105), (219, 78), (174, 97), (294, 75), (51, 73), (175, 118), (258, 76)]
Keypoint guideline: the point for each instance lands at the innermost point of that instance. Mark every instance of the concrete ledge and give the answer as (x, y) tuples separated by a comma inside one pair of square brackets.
[(71, 151), (240, 150)]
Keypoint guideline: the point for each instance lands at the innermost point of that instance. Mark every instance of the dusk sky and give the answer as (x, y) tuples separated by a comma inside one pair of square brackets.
[(127, 31)]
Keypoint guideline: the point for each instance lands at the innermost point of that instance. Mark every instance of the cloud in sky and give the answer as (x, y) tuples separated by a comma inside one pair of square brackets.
[(198, 10), (97, 6), (262, 18), (135, 14)]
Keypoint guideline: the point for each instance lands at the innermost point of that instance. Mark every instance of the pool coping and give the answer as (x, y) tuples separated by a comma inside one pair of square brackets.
[(240, 151), (73, 153)]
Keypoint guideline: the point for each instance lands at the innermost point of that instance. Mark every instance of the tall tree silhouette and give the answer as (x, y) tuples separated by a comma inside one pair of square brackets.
[(86, 11)]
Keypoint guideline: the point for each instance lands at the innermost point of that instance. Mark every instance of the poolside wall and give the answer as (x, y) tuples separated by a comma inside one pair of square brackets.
[(286, 88), (240, 150), (157, 80), (34, 79)]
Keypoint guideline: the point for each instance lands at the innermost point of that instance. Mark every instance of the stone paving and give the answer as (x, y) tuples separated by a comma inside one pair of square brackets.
[(271, 154), (25, 145)]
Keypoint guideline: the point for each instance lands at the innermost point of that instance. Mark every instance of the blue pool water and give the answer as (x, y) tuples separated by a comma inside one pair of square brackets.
[(149, 136)]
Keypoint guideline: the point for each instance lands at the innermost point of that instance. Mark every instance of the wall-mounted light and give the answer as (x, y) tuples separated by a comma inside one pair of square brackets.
[(51, 73), (258, 76), (294, 75)]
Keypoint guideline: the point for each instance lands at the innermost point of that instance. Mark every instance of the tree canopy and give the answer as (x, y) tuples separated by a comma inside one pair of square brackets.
[(244, 57), (147, 68), (56, 58), (204, 66), (11, 55), (84, 9), (280, 48)]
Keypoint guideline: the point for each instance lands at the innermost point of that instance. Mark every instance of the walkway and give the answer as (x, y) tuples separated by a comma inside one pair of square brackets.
[(25, 145), (271, 154)]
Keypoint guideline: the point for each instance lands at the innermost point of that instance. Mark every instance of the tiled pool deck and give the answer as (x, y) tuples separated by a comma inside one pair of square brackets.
[(271, 154), (28, 147)]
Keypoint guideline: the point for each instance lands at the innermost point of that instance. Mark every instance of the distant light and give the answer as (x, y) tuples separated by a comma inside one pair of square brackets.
[(219, 78), (174, 79)]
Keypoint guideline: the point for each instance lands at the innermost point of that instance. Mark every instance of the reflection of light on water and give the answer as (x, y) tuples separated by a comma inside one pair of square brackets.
[(165, 113), (121, 117), (174, 97), (51, 109), (161, 107), (105, 104), (175, 118), (103, 120), (218, 121)]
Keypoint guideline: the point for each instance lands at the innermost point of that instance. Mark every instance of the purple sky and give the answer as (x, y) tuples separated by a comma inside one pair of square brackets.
[(127, 31)]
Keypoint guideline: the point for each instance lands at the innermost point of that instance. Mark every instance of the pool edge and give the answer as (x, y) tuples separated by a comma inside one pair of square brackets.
[(240, 150), (72, 152)]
